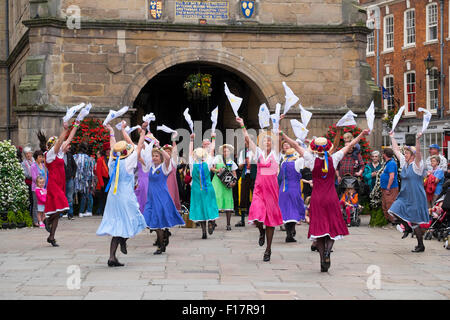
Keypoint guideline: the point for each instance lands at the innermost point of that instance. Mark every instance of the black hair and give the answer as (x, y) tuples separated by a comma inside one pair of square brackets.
[(37, 153)]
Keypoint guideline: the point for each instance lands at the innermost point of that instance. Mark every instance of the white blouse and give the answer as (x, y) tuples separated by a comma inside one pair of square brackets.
[(310, 158), (299, 164), (417, 170), (51, 155), (147, 155), (219, 159), (259, 153)]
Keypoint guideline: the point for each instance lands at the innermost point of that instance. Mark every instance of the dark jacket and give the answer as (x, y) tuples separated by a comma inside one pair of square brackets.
[(70, 167)]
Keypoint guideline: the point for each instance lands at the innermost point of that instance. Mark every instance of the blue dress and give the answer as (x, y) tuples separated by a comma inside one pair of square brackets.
[(203, 197), (160, 211), (290, 194), (122, 217), (411, 203)]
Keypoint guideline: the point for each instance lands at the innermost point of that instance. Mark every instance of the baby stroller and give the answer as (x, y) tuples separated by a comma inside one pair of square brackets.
[(350, 182), (439, 225)]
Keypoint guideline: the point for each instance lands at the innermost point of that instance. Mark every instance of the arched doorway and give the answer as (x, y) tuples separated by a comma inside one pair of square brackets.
[(165, 96)]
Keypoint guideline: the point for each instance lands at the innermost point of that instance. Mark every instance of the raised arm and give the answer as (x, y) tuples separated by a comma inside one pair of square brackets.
[(166, 158), (191, 146), (418, 156), (355, 141), (294, 144), (141, 142), (212, 147), (336, 140), (174, 147), (395, 146), (251, 144), (125, 134), (112, 139), (61, 137)]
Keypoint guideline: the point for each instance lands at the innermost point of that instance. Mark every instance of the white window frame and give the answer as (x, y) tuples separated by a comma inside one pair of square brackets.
[(407, 112), (430, 106), (385, 101), (385, 48), (373, 43), (427, 8), (405, 33)]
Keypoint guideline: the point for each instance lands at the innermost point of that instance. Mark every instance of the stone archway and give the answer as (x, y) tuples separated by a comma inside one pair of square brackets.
[(226, 60)]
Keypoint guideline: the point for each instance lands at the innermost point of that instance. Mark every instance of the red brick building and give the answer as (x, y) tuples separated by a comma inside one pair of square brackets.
[(408, 32)]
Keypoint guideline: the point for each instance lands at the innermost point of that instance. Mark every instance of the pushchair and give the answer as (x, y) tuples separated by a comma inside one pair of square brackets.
[(350, 182), (439, 225)]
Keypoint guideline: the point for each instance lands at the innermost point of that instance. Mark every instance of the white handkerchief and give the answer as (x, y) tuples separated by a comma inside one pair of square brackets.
[(130, 130), (276, 118), (300, 130), (188, 119), (115, 114), (370, 116), (234, 100), (291, 98), (71, 112), (426, 118), (305, 114), (264, 116), (347, 120), (165, 129), (84, 112), (397, 117), (149, 117), (214, 115)]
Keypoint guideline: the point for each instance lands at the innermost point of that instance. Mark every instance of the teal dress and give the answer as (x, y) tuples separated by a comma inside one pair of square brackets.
[(203, 197)]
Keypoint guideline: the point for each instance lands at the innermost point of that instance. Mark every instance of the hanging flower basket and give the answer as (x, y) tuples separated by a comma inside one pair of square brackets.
[(198, 86), (92, 132)]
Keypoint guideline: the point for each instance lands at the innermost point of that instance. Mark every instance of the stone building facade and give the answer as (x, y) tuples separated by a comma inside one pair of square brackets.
[(63, 52)]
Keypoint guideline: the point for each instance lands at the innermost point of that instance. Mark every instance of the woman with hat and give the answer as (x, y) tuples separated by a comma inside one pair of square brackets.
[(160, 212), (121, 218), (326, 223), (203, 205), (264, 210), (224, 194), (410, 207), (172, 183), (290, 194), (56, 186)]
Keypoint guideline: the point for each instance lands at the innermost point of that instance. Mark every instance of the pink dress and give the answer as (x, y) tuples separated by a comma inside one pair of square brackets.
[(325, 211), (264, 207), (172, 185)]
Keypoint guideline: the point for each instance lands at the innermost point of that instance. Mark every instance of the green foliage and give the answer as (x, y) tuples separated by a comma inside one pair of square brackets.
[(13, 190), (198, 86), (27, 219), (377, 218), (12, 217)]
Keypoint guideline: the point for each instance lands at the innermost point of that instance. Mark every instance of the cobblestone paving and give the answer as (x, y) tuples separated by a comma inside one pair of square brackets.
[(228, 265)]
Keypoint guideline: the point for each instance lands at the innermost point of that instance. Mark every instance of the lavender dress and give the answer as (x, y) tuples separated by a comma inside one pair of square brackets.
[(290, 194), (141, 190)]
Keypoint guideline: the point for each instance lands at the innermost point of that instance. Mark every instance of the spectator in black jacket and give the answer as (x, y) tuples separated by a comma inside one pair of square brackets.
[(70, 168)]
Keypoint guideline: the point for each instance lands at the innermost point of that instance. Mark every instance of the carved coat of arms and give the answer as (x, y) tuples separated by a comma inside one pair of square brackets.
[(247, 7), (156, 7)]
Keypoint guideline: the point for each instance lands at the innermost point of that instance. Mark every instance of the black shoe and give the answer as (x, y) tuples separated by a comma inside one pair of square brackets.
[(313, 248), (419, 249), (204, 236), (240, 224), (53, 242), (262, 237), (267, 256), (228, 228), (47, 225), (290, 239), (323, 267), (123, 246), (114, 263), (167, 235), (405, 234)]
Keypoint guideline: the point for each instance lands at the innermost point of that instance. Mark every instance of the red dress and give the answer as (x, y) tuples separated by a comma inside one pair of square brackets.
[(56, 187), (325, 212)]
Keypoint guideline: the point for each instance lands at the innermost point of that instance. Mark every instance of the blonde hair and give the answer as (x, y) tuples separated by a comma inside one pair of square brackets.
[(348, 135), (38, 178)]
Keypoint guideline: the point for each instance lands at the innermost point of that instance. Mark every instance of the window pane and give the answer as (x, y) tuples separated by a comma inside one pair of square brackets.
[(411, 91), (433, 90), (389, 32), (432, 20), (410, 27)]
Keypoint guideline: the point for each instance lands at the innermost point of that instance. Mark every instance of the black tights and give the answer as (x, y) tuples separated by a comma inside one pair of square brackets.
[(53, 221), (228, 213), (324, 244), (160, 237), (115, 241), (269, 234)]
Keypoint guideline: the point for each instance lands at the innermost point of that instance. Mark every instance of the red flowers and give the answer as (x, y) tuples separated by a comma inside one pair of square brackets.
[(93, 133)]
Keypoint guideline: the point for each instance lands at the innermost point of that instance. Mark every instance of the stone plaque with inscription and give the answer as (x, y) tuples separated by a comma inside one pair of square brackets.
[(208, 10)]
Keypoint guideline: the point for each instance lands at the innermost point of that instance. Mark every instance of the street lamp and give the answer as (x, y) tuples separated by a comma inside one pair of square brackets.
[(429, 64)]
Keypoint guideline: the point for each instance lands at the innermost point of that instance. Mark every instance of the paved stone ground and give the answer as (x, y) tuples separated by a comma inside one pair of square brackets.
[(228, 265)]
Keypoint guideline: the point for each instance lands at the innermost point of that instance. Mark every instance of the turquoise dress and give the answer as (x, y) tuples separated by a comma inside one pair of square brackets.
[(122, 217), (203, 197), (411, 203)]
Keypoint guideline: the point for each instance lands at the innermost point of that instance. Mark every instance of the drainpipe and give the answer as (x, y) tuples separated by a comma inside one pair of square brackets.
[(8, 84), (442, 75)]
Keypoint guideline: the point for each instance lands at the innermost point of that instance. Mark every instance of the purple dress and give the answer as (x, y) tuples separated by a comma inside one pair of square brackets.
[(290, 194), (142, 188)]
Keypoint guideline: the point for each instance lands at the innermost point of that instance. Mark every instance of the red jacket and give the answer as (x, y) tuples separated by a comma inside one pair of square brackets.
[(101, 171)]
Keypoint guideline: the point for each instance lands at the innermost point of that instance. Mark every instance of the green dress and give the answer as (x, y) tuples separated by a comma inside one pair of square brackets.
[(224, 195)]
